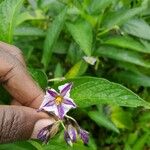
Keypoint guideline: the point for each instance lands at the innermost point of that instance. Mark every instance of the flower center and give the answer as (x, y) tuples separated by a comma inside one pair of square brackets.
[(58, 100)]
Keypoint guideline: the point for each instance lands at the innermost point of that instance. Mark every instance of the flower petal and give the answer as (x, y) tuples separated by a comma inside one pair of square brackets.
[(66, 108), (51, 108), (72, 133), (84, 135), (47, 99), (44, 134), (67, 138), (69, 101), (61, 111), (52, 92), (50, 103), (65, 89)]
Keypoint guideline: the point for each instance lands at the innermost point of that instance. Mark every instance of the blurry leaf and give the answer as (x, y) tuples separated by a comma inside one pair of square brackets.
[(78, 69), (8, 15), (138, 28), (121, 16), (97, 6), (127, 147), (60, 47), (30, 15), (37, 145), (74, 54), (132, 138), (121, 118), (51, 37), (17, 146), (29, 31), (145, 117), (58, 71), (39, 76), (102, 120), (89, 91), (82, 34), (133, 78), (52, 6), (122, 55), (127, 42), (33, 3), (128, 67), (143, 121), (139, 145)]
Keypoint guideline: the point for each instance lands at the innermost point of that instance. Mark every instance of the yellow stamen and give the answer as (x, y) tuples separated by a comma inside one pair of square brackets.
[(58, 100)]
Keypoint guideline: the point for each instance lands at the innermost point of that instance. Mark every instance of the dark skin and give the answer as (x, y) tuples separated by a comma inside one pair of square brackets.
[(19, 120)]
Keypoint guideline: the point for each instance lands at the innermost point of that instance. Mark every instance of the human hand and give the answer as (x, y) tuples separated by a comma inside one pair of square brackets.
[(19, 121)]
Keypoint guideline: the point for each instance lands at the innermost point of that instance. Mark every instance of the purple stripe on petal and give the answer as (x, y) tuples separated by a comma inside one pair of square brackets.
[(52, 93), (72, 134), (84, 135), (67, 138), (69, 102), (50, 103), (61, 111), (66, 89), (42, 135)]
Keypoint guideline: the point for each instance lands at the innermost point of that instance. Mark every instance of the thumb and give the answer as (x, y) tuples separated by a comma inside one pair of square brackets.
[(21, 123)]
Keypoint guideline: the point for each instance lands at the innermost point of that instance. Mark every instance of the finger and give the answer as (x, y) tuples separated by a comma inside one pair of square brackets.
[(13, 50), (15, 102), (18, 82), (22, 123)]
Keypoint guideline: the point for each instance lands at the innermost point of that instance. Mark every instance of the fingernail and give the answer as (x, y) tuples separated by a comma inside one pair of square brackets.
[(40, 124)]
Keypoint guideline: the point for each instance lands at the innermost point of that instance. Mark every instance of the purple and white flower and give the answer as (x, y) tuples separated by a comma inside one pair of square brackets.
[(84, 135), (70, 134), (58, 103), (44, 134)]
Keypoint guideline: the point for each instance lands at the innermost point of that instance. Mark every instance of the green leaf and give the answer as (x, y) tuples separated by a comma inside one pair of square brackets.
[(39, 76), (139, 145), (29, 31), (61, 47), (78, 69), (17, 146), (58, 71), (37, 145), (138, 28), (122, 119), (81, 31), (97, 6), (127, 42), (88, 91), (74, 54), (8, 15), (133, 78), (30, 15), (102, 120), (122, 55), (51, 37), (121, 16)]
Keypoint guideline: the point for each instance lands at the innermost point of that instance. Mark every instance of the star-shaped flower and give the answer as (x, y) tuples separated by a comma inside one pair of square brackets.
[(59, 103)]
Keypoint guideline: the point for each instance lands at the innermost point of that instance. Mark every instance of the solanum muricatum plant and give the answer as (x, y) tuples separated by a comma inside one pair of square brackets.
[(59, 104)]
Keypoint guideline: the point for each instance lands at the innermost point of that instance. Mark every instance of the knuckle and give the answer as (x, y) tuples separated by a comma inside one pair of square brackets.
[(11, 125), (7, 74), (17, 51)]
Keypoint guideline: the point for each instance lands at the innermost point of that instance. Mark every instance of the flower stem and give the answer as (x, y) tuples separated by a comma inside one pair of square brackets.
[(61, 122), (72, 120)]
